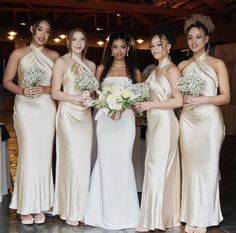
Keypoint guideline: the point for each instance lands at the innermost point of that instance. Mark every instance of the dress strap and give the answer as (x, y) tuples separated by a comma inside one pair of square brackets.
[(81, 63), (40, 55), (204, 67)]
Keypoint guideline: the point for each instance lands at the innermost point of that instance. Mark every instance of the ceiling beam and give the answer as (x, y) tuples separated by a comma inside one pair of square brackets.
[(218, 5), (114, 6), (144, 20)]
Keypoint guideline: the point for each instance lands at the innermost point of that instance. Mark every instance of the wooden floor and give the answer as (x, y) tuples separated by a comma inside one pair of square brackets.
[(9, 221)]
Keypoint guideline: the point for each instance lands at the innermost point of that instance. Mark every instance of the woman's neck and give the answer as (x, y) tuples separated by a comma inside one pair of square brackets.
[(36, 45), (78, 55), (164, 62), (119, 63), (199, 54)]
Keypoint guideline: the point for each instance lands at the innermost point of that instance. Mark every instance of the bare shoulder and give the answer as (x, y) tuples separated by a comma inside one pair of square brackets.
[(61, 61), (52, 54), (20, 52), (182, 65), (100, 68), (90, 64), (172, 71), (216, 63)]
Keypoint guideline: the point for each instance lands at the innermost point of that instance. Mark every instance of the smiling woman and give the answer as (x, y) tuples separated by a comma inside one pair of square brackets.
[(33, 104), (73, 129)]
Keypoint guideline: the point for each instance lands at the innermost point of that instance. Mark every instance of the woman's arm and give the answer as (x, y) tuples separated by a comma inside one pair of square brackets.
[(139, 76), (10, 74), (57, 94)]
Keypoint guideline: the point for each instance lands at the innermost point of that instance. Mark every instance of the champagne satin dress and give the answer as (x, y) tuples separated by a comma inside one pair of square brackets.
[(201, 137), (160, 204), (34, 122), (74, 144)]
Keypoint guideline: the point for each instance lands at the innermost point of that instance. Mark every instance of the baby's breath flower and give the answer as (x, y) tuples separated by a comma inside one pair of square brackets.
[(191, 84), (86, 81), (34, 76)]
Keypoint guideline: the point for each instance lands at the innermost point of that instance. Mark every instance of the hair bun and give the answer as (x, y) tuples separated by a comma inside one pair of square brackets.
[(205, 20)]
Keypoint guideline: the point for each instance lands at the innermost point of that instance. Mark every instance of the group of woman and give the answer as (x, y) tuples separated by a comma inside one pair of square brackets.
[(109, 198)]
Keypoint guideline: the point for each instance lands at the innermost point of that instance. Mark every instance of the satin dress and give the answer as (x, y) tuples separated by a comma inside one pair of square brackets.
[(34, 123), (112, 200), (160, 204), (74, 143), (201, 137)]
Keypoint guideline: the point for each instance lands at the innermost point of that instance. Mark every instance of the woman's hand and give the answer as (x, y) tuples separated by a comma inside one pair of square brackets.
[(85, 98), (142, 106), (35, 91), (192, 101)]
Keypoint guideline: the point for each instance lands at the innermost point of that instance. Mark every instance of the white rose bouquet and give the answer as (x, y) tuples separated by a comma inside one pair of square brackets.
[(86, 81), (115, 99)]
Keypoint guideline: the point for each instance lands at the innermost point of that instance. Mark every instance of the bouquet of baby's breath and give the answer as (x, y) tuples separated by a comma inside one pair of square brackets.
[(141, 92), (191, 84), (34, 76), (86, 81)]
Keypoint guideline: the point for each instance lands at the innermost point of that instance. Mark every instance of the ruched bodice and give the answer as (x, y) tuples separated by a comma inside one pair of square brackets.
[(201, 137), (35, 58), (160, 205), (159, 88)]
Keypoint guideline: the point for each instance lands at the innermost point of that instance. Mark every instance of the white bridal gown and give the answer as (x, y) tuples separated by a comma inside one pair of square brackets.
[(112, 201)]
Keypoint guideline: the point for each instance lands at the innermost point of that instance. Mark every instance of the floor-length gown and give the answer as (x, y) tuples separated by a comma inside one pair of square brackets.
[(112, 201), (74, 143), (34, 122), (201, 137), (160, 204)]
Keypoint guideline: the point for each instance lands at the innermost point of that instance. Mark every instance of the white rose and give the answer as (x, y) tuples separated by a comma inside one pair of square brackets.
[(113, 102)]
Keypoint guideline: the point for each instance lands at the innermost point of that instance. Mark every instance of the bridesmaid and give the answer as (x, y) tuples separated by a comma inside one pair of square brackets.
[(34, 124), (160, 205), (202, 131), (73, 131)]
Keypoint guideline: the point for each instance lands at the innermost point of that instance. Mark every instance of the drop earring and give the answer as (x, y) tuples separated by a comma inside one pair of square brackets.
[(127, 53)]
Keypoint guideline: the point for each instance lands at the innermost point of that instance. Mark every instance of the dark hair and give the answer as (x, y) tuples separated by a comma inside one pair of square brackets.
[(130, 60), (199, 25), (35, 23), (165, 31), (69, 38)]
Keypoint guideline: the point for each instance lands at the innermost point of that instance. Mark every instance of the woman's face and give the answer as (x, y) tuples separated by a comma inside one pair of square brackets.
[(78, 42), (119, 49), (159, 47), (41, 32), (197, 39)]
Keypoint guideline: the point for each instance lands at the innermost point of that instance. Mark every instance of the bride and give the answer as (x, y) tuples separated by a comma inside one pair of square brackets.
[(112, 202)]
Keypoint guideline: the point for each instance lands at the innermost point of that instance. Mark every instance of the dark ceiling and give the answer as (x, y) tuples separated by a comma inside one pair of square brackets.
[(137, 17)]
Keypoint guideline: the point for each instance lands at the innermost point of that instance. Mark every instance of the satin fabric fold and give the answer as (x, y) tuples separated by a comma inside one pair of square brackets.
[(34, 123), (160, 204), (74, 144), (201, 137)]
